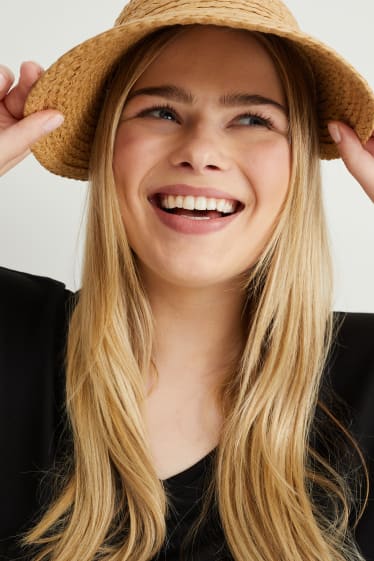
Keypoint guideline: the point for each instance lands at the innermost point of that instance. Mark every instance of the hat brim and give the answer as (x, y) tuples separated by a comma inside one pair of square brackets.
[(74, 83)]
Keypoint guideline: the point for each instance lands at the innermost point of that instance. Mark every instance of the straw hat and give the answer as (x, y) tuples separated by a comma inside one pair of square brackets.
[(74, 83)]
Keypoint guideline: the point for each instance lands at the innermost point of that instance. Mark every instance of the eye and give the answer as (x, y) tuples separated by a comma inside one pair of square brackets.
[(164, 112), (256, 120)]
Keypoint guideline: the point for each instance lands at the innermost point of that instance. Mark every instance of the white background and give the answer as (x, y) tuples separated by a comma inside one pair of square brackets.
[(41, 224)]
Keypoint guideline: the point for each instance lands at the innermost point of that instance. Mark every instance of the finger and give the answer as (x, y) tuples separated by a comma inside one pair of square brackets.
[(16, 141), (369, 146), (6, 80), (30, 72), (358, 160), (12, 163)]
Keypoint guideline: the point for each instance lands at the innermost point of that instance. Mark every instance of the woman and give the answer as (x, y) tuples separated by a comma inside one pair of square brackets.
[(201, 340)]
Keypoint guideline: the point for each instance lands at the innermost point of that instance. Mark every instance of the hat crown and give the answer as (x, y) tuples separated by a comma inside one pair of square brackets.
[(272, 13)]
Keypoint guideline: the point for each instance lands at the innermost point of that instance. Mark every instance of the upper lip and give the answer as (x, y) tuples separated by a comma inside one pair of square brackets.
[(194, 191)]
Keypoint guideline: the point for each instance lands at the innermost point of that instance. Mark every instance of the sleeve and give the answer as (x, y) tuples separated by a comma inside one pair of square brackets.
[(33, 326), (352, 378)]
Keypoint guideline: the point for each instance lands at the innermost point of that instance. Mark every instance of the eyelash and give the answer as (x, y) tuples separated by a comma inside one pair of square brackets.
[(267, 122)]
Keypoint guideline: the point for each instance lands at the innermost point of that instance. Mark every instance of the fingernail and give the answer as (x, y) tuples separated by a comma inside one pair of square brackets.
[(53, 123), (3, 80), (39, 69), (334, 132)]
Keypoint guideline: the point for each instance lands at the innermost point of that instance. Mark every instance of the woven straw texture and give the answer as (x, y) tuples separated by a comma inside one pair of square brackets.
[(74, 84)]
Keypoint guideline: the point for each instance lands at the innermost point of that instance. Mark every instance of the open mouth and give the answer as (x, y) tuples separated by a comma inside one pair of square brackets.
[(196, 208)]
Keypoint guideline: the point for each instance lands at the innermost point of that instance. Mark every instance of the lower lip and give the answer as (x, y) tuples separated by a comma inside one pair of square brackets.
[(186, 225)]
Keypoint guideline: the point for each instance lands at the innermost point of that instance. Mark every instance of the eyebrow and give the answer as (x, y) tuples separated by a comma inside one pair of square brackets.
[(181, 95)]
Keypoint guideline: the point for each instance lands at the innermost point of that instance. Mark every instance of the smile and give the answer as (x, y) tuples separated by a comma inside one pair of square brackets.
[(198, 207), (195, 214)]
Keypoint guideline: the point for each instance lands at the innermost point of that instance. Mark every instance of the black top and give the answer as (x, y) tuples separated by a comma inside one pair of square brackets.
[(34, 314)]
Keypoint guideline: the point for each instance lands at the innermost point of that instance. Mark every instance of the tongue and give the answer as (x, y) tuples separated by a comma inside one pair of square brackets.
[(209, 213)]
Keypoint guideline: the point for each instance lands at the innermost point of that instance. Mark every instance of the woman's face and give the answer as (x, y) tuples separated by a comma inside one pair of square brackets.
[(201, 181)]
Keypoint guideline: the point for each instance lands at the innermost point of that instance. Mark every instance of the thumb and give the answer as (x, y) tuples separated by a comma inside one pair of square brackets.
[(358, 161)]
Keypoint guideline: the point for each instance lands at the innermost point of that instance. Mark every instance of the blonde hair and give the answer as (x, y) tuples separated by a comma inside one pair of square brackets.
[(112, 505)]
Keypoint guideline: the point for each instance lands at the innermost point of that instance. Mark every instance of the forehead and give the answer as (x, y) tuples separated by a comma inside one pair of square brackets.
[(208, 57)]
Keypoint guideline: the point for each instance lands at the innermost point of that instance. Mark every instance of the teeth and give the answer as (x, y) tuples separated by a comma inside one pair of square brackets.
[(221, 205), (200, 203), (199, 217), (179, 201), (211, 204), (189, 203), (197, 203)]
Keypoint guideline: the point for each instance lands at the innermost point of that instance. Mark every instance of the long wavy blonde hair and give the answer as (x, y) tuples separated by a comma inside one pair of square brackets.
[(112, 505)]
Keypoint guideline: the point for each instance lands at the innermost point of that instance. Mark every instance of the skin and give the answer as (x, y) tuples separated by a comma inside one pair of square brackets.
[(192, 279), (206, 146), (192, 283)]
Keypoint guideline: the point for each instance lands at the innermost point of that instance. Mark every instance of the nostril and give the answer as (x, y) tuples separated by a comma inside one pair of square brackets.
[(189, 165), (212, 166)]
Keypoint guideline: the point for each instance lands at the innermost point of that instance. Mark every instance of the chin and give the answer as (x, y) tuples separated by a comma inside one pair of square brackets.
[(193, 277)]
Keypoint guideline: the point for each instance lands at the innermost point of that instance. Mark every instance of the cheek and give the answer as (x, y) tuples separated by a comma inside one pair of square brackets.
[(134, 154), (127, 154), (269, 168)]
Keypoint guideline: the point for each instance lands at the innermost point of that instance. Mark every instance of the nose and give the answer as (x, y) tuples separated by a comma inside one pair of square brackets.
[(200, 149)]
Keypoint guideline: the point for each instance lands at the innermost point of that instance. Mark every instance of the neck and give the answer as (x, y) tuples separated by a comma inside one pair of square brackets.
[(198, 333)]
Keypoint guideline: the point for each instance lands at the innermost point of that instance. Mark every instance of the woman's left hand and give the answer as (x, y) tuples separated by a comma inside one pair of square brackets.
[(358, 158)]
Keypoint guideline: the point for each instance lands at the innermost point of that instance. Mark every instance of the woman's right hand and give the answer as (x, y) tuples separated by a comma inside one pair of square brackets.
[(17, 133)]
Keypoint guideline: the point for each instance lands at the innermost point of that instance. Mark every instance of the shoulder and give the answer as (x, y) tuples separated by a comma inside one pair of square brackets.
[(34, 314), (351, 361), (350, 376), (353, 330), (350, 367), (348, 392), (34, 311), (17, 287), (29, 303)]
